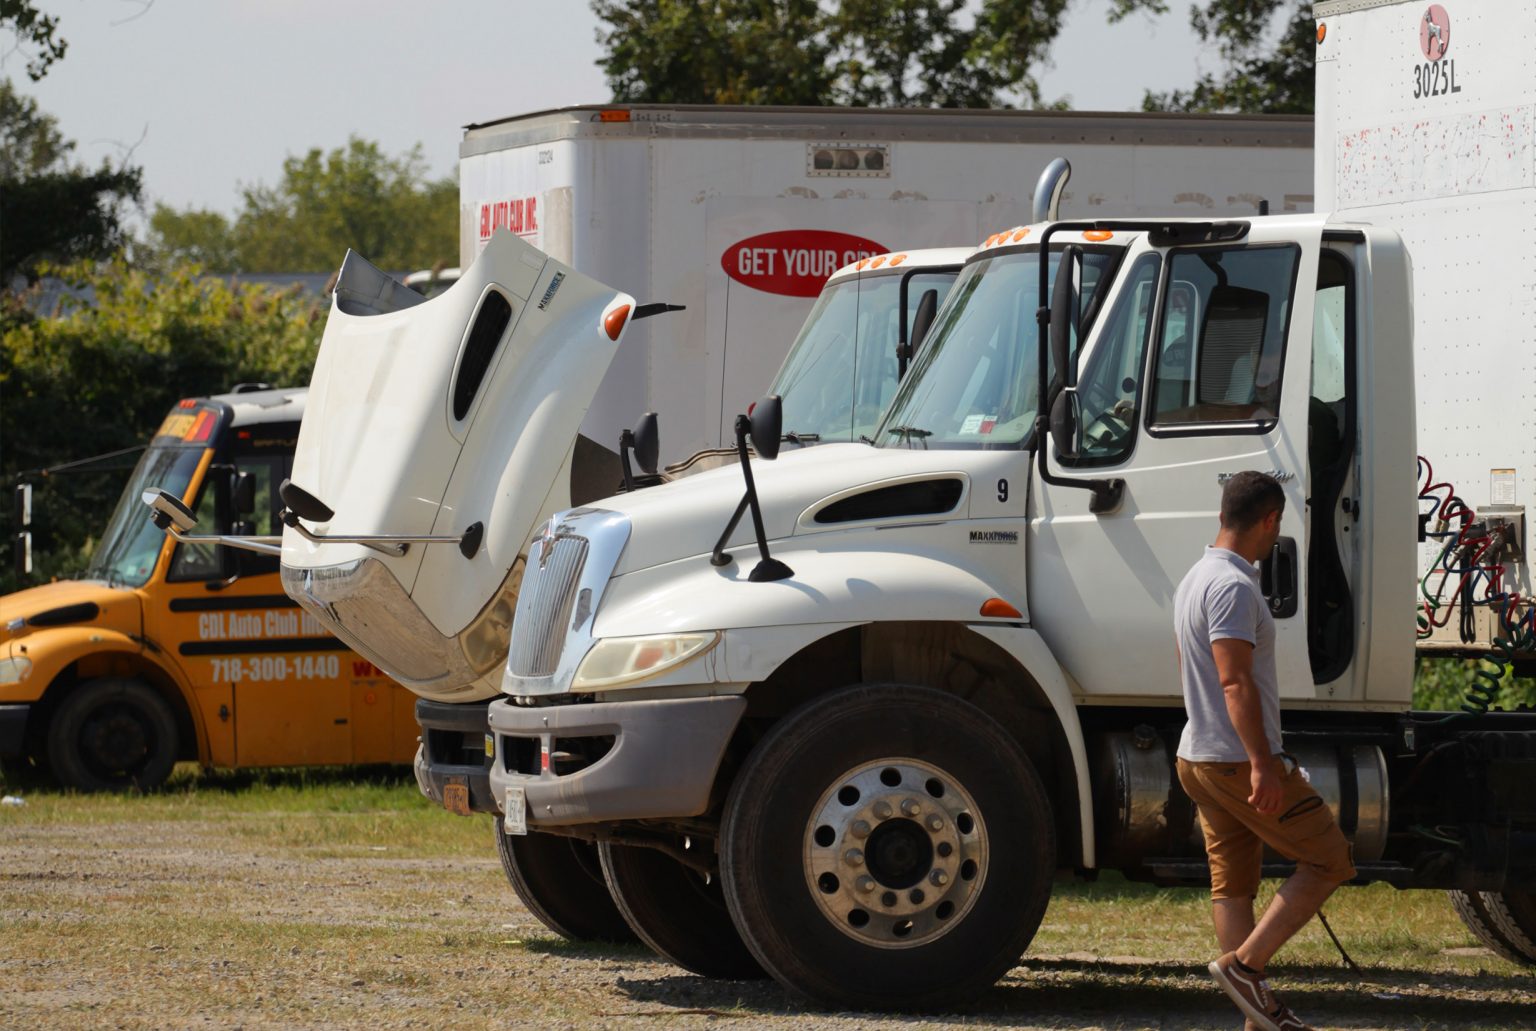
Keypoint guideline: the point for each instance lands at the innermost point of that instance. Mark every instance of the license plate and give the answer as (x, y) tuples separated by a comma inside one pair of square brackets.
[(515, 810), (456, 797)]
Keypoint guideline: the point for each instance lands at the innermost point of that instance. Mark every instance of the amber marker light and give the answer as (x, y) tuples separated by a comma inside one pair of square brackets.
[(1097, 235), (1322, 31), (1020, 235), (613, 116), (877, 262), (898, 260), (997, 608), (613, 322)]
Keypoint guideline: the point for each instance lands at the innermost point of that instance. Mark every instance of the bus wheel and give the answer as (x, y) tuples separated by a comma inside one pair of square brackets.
[(1512, 915), (888, 847), (112, 734), (560, 880), (677, 911)]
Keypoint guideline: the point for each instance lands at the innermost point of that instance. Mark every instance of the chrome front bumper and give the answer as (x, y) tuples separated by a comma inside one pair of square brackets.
[(606, 761)]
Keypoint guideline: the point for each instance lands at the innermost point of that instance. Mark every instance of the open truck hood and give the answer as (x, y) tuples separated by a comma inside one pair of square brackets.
[(433, 417)]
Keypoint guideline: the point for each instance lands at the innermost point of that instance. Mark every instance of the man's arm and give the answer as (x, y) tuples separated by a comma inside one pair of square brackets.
[(1234, 665)]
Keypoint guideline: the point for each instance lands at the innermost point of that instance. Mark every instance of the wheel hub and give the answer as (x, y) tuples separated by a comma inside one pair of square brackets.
[(895, 853)]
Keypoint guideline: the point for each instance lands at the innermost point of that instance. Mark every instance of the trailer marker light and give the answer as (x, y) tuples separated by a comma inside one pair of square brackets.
[(1322, 31), (1098, 234), (613, 322), (997, 608), (613, 116)]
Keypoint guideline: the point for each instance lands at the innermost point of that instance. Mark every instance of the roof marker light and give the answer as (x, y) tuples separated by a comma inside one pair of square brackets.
[(877, 262), (1097, 235), (898, 260), (1020, 235), (613, 322), (997, 608)]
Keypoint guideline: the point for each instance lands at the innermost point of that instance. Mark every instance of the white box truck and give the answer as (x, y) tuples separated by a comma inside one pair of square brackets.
[(741, 213), (851, 741)]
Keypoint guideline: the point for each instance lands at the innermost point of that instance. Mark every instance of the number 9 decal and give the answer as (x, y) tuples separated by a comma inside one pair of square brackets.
[(1002, 490)]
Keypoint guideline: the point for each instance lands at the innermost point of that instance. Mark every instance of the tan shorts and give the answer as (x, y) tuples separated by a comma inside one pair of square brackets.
[(1303, 830)]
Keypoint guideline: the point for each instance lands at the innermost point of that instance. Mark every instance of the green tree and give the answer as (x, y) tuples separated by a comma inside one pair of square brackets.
[(1268, 48), (101, 374), (35, 32), (52, 210), (888, 53), (385, 208)]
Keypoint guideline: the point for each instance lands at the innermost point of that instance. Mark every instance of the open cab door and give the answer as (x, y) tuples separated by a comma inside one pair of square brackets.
[(439, 434)]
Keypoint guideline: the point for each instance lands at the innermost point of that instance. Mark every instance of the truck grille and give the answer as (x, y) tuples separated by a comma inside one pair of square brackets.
[(544, 608)]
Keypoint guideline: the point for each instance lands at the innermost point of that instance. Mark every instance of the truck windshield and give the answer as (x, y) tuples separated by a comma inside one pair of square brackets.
[(841, 373), (975, 383), (131, 543)]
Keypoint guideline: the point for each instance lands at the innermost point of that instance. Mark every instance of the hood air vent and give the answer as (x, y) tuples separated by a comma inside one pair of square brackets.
[(485, 333), (922, 498)]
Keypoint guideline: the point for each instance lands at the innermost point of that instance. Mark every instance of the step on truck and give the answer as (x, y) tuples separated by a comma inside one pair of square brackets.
[(863, 730), (162, 651)]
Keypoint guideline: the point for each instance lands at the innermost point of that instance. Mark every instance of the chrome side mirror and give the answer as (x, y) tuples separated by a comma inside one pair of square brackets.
[(168, 510)]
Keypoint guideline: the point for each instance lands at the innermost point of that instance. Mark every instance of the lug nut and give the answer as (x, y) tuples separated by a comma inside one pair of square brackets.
[(854, 857), (865, 884), (938, 878), (883, 809), (860, 828), (935, 822), (909, 807)]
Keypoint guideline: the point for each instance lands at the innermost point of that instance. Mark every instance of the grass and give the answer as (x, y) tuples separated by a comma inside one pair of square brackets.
[(342, 898)]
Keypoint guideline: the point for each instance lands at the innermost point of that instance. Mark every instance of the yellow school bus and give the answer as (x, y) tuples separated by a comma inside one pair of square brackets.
[(164, 651)]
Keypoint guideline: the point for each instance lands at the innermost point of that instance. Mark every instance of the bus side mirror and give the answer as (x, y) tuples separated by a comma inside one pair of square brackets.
[(242, 493), (168, 510)]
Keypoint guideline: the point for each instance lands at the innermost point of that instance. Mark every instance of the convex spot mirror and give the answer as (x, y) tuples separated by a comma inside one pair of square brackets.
[(767, 421), (168, 510), (647, 436)]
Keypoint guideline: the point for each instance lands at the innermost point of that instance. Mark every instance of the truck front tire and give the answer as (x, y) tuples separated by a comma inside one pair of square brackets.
[(888, 846), (560, 880), (112, 734), (675, 910)]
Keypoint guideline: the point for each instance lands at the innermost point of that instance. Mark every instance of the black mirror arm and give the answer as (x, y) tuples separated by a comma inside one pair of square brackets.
[(626, 444), (768, 568)]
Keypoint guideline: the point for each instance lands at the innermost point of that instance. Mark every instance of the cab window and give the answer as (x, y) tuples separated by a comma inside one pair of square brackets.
[(1222, 341), (1109, 386)]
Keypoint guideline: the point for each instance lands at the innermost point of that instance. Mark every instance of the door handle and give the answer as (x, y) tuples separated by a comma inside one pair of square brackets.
[(1278, 578)]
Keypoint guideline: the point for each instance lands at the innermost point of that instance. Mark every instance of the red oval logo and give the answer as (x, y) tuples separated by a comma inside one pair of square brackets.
[(794, 262), (1435, 32)]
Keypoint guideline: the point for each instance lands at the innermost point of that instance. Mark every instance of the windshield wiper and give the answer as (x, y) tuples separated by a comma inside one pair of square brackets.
[(907, 433), (801, 439)]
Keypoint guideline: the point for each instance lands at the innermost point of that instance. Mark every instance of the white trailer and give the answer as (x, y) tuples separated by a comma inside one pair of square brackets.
[(741, 213)]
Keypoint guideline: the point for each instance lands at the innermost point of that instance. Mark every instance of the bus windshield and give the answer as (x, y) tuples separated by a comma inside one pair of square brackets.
[(131, 543), (975, 383), (842, 371)]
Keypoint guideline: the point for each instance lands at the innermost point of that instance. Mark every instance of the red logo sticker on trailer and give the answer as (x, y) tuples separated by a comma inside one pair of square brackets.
[(521, 216), (1435, 32), (794, 262)]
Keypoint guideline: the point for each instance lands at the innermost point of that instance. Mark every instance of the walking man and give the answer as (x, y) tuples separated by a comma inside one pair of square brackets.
[(1248, 792)]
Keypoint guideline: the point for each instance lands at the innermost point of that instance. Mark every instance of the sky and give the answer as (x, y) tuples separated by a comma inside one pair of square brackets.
[(208, 96)]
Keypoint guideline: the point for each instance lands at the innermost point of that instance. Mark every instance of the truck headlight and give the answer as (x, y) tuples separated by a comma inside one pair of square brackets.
[(15, 670), (614, 661)]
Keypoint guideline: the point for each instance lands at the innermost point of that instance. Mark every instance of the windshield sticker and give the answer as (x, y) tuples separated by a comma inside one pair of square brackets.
[(977, 425)]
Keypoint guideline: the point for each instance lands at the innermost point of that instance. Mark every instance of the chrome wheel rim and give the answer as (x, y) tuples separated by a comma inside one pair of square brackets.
[(895, 853)]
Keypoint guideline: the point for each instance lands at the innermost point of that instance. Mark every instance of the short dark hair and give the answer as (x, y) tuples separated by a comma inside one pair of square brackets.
[(1248, 497)]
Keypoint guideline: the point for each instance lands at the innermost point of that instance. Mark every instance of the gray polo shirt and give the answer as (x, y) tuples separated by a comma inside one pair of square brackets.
[(1220, 599)]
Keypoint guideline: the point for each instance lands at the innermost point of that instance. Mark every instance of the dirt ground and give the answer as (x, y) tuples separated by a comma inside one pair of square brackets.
[(240, 917)]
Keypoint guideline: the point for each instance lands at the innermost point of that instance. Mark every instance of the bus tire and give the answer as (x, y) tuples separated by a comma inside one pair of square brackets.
[(1514, 914), (675, 910), (560, 880), (888, 847), (112, 734)]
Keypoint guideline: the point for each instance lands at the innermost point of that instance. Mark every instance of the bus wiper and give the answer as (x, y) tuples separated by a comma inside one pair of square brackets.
[(802, 439), (907, 433)]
